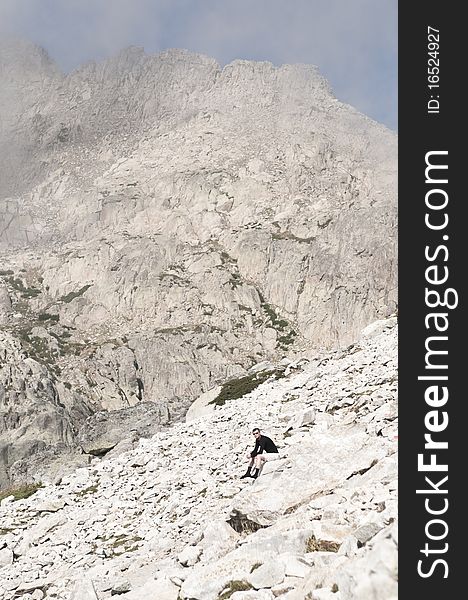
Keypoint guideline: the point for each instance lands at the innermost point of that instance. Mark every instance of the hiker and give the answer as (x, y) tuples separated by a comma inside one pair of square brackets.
[(265, 450)]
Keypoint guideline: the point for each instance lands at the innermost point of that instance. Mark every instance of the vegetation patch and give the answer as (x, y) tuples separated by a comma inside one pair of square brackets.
[(282, 326), (72, 295), (288, 235), (123, 543), (48, 317), (227, 258), (37, 348), (92, 489), (237, 388), (234, 586), (255, 566), (315, 545), (284, 341), (26, 292), (21, 492)]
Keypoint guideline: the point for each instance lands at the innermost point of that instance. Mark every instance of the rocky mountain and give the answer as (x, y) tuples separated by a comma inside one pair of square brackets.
[(170, 519), (167, 224)]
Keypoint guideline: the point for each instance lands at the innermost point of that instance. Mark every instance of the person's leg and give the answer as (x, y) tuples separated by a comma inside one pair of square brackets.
[(247, 473), (259, 462), (269, 456), (261, 459)]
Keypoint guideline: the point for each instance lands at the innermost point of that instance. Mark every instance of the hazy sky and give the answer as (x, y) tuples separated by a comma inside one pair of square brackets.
[(353, 42)]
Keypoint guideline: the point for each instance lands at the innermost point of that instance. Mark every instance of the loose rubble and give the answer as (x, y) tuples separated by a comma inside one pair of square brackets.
[(170, 519)]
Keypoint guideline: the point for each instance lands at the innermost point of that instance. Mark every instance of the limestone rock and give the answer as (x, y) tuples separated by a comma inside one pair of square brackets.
[(253, 595), (50, 506), (366, 532), (160, 589), (84, 590), (377, 327), (104, 430), (306, 417), (189, 556), (271, 573), (6, 557), (5, 303), (203, 404), (294, 566), (218, 539)]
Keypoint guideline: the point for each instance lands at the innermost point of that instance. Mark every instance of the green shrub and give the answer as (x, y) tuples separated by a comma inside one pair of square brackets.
[(21, 492), (288, 235), (72, 295), (236, 388), (286, 340), (48, 317), (92, 489)]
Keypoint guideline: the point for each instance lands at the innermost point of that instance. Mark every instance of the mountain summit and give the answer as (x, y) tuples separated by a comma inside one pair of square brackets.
[(166, 225)]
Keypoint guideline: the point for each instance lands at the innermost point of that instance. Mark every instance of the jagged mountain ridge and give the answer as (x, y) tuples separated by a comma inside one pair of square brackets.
[(166, 224)]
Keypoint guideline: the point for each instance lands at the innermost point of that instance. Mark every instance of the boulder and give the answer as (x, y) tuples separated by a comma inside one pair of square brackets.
[(6, 557), (203, 406), (306, 417), (189, 556), (267, 575), (218, 539)]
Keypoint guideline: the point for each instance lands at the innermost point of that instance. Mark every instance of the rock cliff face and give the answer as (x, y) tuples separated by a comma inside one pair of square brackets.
[(166, 224), (170, 519)]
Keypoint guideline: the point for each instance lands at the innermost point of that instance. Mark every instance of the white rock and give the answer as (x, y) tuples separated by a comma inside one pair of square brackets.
[(218, 539), (269, 574), (159, 589), (378, 327), (366, 532), (121, 587), (202, 406), (84, 590), (6, 557), (349, 546), (39, 583), (189, 556), (293, 565), (50, 505), (306, 417), (253, 595)]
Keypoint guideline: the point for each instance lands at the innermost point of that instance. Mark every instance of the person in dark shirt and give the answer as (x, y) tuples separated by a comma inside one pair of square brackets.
[(265, 449)]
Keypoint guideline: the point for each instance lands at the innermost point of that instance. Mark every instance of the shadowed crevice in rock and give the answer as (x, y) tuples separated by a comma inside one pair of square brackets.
[(242, 524)]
